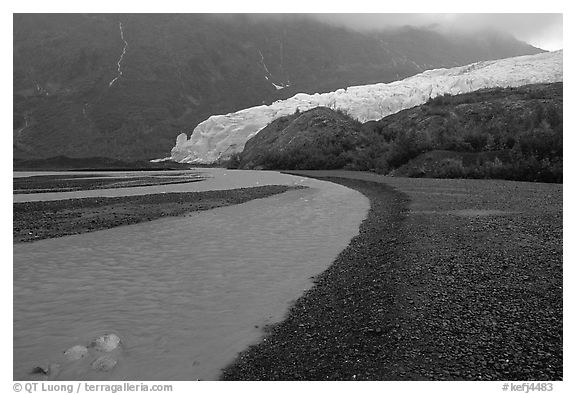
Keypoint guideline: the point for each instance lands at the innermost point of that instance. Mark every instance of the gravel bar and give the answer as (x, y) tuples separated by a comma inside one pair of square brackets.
[(447, 280), (68, 183), (50, 219)]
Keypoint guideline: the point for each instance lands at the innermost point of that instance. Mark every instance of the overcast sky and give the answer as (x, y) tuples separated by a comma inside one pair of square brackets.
[(541, 30)]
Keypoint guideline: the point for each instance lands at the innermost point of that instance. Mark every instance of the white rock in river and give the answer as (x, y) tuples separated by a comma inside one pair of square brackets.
[(222, 135), (104, 363), (76, 353), (106, 343)]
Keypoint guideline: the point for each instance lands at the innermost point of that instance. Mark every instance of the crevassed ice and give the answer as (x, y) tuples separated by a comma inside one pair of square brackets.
[(220, 136)]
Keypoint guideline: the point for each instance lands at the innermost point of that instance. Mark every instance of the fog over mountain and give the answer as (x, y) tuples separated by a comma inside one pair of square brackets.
[(541, 30), (125, 85)]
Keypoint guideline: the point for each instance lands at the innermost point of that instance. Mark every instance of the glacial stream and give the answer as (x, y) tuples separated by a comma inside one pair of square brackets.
[(184, 294)]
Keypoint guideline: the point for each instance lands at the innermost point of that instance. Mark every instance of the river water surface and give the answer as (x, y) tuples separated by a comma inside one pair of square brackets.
[(184, 294)]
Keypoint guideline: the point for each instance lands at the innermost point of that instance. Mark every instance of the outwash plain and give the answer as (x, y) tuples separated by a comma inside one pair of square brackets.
[(448, 279)]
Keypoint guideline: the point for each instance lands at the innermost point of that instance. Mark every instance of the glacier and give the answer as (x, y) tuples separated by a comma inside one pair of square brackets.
[(220, 136)]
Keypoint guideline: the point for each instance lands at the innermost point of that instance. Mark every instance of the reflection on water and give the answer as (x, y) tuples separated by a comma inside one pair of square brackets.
[(184, 294)]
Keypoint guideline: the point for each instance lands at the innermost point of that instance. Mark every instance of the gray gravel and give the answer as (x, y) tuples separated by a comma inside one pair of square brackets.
[(447, 280)]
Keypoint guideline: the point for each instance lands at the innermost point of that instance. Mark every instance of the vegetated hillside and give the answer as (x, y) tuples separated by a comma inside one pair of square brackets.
[(220, 136), (504, 133), (124, 85), (318, 138)]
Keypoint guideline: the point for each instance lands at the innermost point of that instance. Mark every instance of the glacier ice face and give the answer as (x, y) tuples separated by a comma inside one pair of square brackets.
[(222, 135)]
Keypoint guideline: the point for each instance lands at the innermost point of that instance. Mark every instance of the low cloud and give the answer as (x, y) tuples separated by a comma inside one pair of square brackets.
[(541, 30)]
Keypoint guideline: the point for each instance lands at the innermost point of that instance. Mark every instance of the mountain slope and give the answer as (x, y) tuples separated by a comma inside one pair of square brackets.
[(222, 135), (506, 133), (305, 139), (124, 85)]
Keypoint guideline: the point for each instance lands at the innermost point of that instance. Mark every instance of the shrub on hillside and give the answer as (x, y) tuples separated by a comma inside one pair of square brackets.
[(450, 168), (234, 161)]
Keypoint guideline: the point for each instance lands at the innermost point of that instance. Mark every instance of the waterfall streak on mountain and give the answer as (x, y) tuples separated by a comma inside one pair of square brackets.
[(278, 87), (21, 129), (121, 56), (264, 64)]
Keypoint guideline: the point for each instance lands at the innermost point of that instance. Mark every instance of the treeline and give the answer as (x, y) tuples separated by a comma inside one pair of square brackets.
[(523, 127)]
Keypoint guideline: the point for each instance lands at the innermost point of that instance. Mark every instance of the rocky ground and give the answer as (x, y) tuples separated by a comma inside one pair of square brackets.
[(447, 280), (50, 219)]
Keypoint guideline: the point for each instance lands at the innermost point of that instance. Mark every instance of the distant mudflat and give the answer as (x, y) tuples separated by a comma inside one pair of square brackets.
[(92, 181), (55, 204), (212, 179), (38, 220)]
